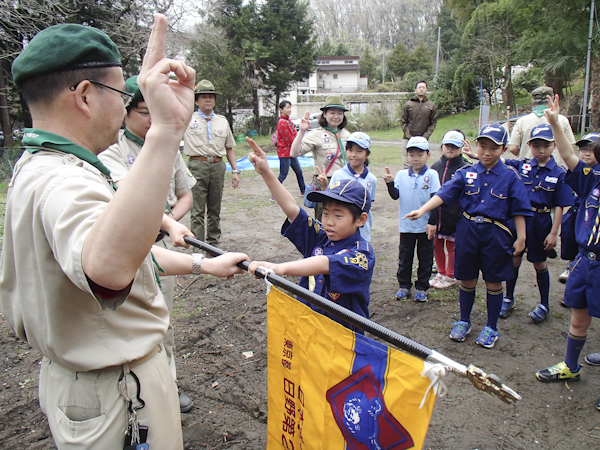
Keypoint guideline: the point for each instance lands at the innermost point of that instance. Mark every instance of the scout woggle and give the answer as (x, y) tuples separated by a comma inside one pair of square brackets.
[(489, 383)]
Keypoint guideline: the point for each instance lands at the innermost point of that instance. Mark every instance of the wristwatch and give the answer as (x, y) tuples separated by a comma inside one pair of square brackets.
[(197, 263), (236, 171)]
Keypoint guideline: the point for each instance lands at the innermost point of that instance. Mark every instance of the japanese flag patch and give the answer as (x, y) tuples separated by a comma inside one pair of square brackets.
[(472, 175)]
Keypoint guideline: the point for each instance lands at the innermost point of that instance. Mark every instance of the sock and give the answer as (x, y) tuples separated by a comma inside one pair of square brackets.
[(494, 304), (543, 281), (574, 346), (466, 297), (510, 284)]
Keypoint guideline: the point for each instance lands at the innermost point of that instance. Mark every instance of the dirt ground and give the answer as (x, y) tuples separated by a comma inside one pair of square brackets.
[(216, 320)]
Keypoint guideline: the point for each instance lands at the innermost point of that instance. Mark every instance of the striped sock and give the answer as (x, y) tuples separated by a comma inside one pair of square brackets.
[(574, 346), (494, 304), (466, 296)]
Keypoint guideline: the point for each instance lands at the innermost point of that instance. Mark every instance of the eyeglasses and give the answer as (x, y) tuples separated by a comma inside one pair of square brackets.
[(126, 96)]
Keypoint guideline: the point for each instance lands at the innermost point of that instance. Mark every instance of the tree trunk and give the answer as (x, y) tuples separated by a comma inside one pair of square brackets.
[(4, 116), (507, 93), (595, 94), (276, 108), (256, 111), (556, 81)]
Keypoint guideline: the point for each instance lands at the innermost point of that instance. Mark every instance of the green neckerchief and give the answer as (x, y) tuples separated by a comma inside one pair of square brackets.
[(129, 135), (340, 143), (539, 110), (160, 269), (133, 137), (45, 139)]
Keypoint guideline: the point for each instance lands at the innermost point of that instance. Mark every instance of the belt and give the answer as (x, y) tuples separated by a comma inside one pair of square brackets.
[(132, 364), (545, 209), (482, 219), (593, 256), (207, 158)]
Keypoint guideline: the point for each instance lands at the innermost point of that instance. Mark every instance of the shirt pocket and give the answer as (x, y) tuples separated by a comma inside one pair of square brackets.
[(329, 150), (219, 137), (549, 186), (499, 202)]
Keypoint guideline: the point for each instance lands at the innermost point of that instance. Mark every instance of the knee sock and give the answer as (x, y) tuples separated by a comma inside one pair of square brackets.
[(494, 304), (510, 284), (574, 346), (543, 280), (466, 296)]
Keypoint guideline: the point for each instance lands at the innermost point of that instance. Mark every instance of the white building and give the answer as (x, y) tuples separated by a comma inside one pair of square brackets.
[(339, 74)]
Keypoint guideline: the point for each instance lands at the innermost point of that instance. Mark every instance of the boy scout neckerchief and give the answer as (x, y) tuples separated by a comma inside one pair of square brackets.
[(40, 138), (340, 143), (539, 110), (133, 137), (208, 124)]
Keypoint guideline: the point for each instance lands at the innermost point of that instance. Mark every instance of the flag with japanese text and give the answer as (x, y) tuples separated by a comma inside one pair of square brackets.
[(330, 388)]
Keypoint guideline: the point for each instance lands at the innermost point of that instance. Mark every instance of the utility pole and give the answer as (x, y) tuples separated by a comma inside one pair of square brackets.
[(437, 56), (587, 70)]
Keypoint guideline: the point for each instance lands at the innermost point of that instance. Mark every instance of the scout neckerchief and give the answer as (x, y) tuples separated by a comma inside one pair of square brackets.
[(358, 175), (40, 138), (129, 135), (539, 110), (208, 124), (340, 143)]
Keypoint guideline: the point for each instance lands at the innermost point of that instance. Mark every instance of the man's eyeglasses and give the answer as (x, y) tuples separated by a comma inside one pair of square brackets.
[(126, 96)]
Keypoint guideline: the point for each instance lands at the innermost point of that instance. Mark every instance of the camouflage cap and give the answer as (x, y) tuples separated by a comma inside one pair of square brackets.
[(65, 47)]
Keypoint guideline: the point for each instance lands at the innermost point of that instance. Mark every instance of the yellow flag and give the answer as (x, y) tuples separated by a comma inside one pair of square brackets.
[(330, 388)]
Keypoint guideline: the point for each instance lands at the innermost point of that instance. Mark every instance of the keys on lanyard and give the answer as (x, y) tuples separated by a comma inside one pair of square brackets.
[(136, 434)]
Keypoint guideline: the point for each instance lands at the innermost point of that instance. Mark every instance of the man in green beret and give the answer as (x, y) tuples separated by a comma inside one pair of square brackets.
[(207, 139), (119, 158), (77, 279), (521, 132)]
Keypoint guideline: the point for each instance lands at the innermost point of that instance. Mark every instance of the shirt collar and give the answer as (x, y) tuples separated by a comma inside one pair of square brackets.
[(344, 243), (204, 116), (354, 174), (496, 170), (421, 172), (551, 164)]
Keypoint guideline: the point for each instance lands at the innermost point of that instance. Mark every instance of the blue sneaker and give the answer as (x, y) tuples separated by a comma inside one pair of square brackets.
[(402, 294), (507, 306), (420, 295), (460, 331), (539, 313), (488, 337)]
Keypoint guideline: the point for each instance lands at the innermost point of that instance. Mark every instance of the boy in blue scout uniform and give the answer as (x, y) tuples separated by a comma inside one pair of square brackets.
[(338, 263), (414, 187), (583, 285), (544, 180), (490, 193)]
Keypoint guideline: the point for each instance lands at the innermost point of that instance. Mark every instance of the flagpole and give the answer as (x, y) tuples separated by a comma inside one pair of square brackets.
[(489, 383)]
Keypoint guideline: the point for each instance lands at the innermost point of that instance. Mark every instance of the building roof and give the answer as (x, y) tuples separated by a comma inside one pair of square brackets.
[(337, 67), (336, 58)]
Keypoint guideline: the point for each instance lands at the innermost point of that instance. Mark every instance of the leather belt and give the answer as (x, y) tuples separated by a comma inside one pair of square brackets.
[(132, 364), (545, 209), (207, 158)]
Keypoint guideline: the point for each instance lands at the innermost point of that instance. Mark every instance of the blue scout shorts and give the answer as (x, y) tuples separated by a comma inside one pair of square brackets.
[(583, 284)]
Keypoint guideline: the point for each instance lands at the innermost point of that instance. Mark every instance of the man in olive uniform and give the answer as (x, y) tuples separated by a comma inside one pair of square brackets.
[(206, 141), (119, 158), (419, 118), (77, 278)]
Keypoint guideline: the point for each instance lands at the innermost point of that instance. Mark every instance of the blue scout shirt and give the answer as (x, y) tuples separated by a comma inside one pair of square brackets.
[(497, 193), (415, 189), (545, 183), (351, 263), (585, 181), (369, 181)]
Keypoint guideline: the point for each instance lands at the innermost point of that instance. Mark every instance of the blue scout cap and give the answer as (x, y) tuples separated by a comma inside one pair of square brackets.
[(418, 142), (495, 132), (543, 131), (361, 139), (453, 137), (65, 47), (345, 191), (587, 139)]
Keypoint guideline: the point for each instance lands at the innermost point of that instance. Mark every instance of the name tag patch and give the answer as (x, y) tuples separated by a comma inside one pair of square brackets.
[(551, 179)]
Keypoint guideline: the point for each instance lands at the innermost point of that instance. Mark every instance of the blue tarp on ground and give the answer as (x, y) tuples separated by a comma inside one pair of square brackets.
[(244, 164)]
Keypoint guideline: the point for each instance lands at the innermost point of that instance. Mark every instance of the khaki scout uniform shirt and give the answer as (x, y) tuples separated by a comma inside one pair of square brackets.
[(120, 157), (521, 134), (195, 139), (323, 144), (53, 200)]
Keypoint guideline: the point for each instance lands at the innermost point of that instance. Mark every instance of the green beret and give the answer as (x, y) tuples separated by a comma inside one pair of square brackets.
[(205, 87), (65, 47), (132, 88), (334, 101)]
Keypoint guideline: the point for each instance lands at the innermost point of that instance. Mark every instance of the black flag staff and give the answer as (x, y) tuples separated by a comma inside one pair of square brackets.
[(489, 383)]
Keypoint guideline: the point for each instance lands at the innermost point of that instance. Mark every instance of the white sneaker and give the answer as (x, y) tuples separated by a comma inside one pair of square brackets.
[(435, 280), (445, 282), (563, 277)]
